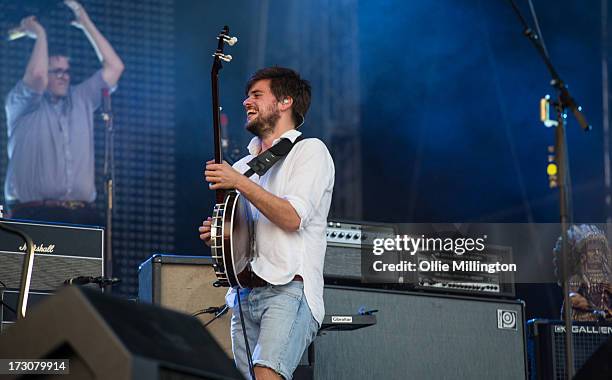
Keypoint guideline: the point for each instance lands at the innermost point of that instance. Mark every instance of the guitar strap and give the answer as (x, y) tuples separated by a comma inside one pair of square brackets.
[(264, 161)]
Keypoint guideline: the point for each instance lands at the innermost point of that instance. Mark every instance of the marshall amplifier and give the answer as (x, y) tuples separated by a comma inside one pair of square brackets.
[(62, 251), (546, 346), (10, 298)]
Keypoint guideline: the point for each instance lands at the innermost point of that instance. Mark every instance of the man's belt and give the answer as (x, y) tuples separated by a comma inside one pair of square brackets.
[(257, 282), (71, 205)]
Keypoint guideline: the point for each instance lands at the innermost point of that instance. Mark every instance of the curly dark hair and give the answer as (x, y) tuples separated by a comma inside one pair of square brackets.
[(284, 83)]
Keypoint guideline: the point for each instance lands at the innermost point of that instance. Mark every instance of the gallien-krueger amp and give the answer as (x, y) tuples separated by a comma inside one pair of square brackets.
[(546, 346)]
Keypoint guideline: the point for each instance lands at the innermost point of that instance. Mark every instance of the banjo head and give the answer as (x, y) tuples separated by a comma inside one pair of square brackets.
[(232, 239), (238, 237), (241, 235)]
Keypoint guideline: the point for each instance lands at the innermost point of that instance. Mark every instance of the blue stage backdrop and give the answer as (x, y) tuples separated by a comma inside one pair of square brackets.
[(450, 122)]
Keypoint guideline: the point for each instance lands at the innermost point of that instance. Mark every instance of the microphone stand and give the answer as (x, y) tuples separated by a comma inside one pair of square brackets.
[(109, 180), (563, 102)]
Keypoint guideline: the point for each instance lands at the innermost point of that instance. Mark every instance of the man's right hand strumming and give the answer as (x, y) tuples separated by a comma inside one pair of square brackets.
[(205, 231), (31, 27)]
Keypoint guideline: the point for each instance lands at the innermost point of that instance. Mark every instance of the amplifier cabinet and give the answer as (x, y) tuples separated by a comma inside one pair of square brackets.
[(423, 336), (62, 251), (346, 242), (547, 346), (185, 284), (349, 261), (500, 284), (11, 298)]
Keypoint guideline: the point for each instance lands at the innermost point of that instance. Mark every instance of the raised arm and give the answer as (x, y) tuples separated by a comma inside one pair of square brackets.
[(112, 66), (35, 76)]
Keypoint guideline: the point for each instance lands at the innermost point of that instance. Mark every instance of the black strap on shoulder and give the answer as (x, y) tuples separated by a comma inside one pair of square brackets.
[(264, 161)]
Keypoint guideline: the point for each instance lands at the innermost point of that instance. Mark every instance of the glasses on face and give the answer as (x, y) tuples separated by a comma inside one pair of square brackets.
[(58, 73)]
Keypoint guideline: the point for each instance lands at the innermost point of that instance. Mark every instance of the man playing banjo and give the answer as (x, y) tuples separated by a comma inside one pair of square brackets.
[(283, 306)]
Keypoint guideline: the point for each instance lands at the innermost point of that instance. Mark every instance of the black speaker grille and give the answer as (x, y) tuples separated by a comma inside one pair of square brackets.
[(48, 272), (584, 346), (547, 346), (421, 336)]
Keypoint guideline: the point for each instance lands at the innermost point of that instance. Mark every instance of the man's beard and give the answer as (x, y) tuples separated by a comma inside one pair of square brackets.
[(263, 125)]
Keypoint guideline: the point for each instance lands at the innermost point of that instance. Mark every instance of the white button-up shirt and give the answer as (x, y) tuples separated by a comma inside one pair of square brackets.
[(305, 178)]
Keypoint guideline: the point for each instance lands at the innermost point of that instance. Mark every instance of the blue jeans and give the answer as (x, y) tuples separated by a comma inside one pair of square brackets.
[(279, 328)]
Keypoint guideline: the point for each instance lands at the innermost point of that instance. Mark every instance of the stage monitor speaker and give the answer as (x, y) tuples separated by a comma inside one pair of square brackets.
[(422, 336), (185, 284), (110, 338)]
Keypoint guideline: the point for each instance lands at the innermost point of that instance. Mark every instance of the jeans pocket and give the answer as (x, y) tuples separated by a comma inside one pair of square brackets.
[(294, 289)]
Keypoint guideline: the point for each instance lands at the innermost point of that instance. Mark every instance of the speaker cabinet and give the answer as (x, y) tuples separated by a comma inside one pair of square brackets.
[(110, 338), (422, 336), (547, 347), (185, 284), (598, 365), (11, 298), (62, 251)]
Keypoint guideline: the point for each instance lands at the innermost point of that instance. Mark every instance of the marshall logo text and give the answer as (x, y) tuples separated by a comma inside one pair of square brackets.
[(39, 248)]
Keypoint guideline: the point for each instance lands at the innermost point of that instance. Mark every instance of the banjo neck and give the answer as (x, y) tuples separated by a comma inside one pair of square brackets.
[(231, 229), (219, 56)]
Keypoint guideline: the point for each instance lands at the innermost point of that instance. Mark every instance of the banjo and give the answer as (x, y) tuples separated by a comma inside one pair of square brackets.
[(232, 224)]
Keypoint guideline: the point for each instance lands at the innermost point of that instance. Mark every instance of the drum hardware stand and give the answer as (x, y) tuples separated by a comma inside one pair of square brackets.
[(561, 177)]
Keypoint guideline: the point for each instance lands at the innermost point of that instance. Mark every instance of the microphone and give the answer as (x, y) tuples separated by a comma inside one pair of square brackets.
[(84, 280), (15, 34), (103, 281), (106, 97), (600, 314), (106, 100), (106, 104), (79, 280)]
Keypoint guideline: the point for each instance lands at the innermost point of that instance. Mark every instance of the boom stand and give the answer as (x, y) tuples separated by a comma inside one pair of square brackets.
[(564, 101)]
